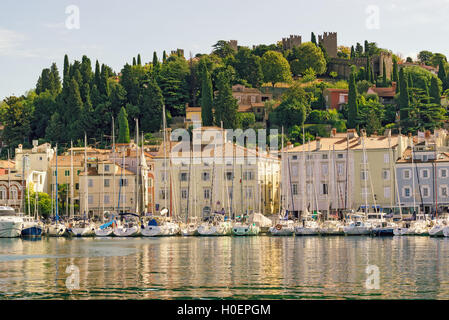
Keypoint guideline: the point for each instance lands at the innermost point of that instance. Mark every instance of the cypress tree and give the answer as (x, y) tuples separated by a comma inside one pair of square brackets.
[(139, 61), (395, 76), (442, 74), (353, 108), (435, 94), (123, 134), (74, 110), (368, 70), (410, 81), (104, 85), (134, 61), (164, 57), (97, 76), (384, 74), (225, 104), (207, 97), (66, 70), (352, 52), (313, 39), (151, 103), (404, 102), (156, 64)]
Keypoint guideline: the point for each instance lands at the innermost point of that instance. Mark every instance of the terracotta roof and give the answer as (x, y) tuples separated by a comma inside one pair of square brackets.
[(407, 157), (245, 108), (336, 90), (383, 92), (5, 164)]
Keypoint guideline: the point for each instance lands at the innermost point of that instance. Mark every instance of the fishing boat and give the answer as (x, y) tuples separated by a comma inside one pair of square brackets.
[(11, 223)]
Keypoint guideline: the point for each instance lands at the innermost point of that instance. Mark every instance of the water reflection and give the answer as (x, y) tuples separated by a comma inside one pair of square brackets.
[(239, 268)]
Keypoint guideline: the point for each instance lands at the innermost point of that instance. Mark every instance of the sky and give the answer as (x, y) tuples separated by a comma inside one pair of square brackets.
[(33, 34)]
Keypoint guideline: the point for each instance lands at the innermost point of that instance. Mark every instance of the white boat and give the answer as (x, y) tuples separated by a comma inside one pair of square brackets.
[(438, 229), (215, 226), (307, 227), (357, 226), (162, 229), (283, 228), (106, 230), (11, 223), (82, 228), (55, 229), (245, 229), (189, 229), (331, 227)]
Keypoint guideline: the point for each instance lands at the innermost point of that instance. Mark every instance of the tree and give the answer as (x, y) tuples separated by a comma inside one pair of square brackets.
[(74, 109), (275, 68), (223, 49), (352, 52), (307, 56), (139, 61), (104, 85), (156, 64), (54, 128), (395, 75), (384, 74), (435, 93), (123, 134), (151, 105), (425, 56), (313, 40), (353, 108), (15, 116), (225, 104), (248, 67), (438, 58), (404, 102), (442, 74), (207, 96)]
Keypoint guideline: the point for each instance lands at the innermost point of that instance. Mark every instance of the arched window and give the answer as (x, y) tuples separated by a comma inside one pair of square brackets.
[(3, 193), (14, 193)]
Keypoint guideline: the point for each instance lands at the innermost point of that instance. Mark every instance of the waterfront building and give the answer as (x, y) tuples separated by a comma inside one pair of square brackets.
[(212, 174)]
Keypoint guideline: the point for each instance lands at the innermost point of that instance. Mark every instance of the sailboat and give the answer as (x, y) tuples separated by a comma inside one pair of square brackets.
[(190, 225), (56, 228), (163, 227), (284, 226)]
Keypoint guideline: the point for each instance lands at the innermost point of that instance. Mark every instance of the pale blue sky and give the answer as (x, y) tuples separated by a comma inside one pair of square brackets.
[(33, 33)]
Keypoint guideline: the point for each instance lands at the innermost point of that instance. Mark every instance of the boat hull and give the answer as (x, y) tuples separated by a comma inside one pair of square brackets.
[(33, 231), (245, 230), (127, 232), (10, 229), (104, 232), (284, 231), (304, 231), (357, 231), (383, 232), (57, 230)]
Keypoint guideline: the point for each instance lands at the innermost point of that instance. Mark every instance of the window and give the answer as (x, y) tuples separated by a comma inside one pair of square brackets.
[(253, 99), (14, 193), (443, 173), (67, 173), (425, 191), (163, 176), (424, 158), (365, 193), (229, 176), (91, 199), (294, 157), (162, 195), (340, 169), (184, 194), (106, 198), (324, 169), (248, 192), (406, 192), (324, 156), (123, 182), (248, 175), (406, 174), (324, 189), (386, 158), (183, 176), (206, 194), (443, 191), (106, 183), (2, 193), (387, 192), (106, 168), (40, 158), (295, 189), (386, 174), (206, 176), (364, 175), (340, 156), (90, 183), (77, 186), (424, 173)]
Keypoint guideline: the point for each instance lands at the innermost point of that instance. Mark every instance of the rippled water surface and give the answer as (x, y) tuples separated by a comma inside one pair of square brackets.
[(230, 268)]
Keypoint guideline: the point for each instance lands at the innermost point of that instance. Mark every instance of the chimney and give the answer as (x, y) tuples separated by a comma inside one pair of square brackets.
[(334, 132), (427, 134), (318, 143), (351, 133)]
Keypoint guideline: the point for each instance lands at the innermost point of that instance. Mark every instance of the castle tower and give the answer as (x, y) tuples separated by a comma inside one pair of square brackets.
[(329, 42), (291, 42), (233, 44)]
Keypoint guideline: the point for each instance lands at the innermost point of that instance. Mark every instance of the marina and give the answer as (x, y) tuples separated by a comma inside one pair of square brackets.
[(225, 267)]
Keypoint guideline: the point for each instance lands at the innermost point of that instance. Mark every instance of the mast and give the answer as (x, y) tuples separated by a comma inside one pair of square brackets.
[(395, 179), (365, 173), (304, 197), (9, 180), (413, 177), (137, 167), (56, 190), (86, 194), (281, 207), (72, 208), (164, 126), (113, 156)]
